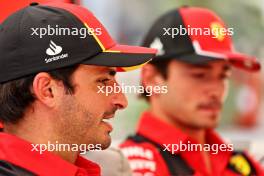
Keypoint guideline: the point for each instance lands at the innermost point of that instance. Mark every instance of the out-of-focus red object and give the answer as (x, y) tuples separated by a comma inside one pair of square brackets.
[(249, 99)]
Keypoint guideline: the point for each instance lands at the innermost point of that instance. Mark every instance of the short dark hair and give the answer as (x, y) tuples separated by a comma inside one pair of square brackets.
[(16, 95), (162, 67)]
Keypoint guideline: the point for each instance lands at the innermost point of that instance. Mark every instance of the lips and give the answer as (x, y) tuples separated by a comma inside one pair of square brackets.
[(108, 125), (107, 121)]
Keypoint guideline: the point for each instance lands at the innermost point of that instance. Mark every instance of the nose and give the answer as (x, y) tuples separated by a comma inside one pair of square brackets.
[(120, 100), (217, 89)]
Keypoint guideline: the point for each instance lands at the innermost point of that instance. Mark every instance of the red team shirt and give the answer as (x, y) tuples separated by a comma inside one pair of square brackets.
[(146, 160), (19, 153)]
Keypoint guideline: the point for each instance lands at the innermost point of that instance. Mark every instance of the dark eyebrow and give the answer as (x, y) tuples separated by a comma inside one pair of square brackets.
[(107, 71), (203, 66), (226, 67)]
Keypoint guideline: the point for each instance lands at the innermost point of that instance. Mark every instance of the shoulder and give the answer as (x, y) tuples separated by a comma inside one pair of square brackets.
[(8, 169), (243, 163), (144, 158), (139, 149)]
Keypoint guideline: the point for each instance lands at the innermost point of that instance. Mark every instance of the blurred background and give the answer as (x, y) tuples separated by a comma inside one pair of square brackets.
[(128, 21), (242, 120)]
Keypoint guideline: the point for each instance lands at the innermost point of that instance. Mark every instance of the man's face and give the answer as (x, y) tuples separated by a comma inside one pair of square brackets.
[(195, 93), (82, 115)]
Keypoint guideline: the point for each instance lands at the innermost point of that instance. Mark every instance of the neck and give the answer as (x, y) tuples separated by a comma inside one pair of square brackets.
[(195, 133)]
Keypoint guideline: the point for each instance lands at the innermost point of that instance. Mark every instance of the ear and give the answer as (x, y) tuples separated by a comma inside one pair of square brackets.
[(46, 89), (150, 76)]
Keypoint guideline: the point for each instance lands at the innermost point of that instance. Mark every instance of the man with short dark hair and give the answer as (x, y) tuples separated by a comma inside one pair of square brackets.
[(176, 135), (51, 106)]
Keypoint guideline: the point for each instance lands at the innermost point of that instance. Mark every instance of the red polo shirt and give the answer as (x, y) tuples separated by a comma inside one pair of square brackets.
[(145, 159), (19, 152)]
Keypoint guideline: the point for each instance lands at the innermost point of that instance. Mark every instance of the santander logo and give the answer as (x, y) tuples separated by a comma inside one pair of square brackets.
[(53, 49)]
